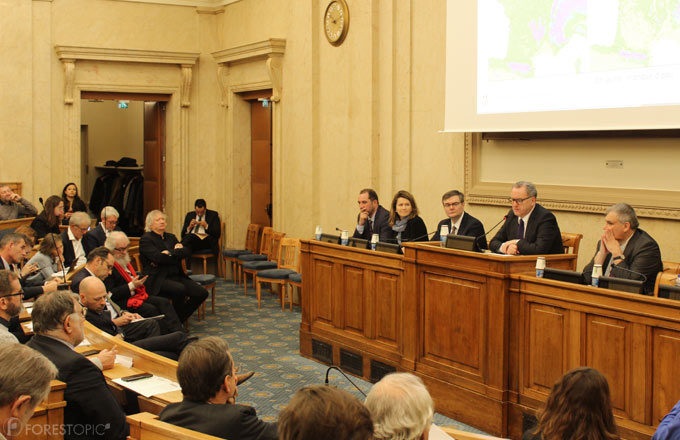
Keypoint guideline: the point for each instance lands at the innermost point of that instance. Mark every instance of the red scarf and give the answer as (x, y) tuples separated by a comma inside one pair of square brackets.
[(140, 292)]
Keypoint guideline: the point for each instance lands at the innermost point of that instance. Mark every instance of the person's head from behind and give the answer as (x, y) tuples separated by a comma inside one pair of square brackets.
[(206, 371), (401, 407), (578, 407), (200, 206), (60, 315), (24, 383), (324, 413)]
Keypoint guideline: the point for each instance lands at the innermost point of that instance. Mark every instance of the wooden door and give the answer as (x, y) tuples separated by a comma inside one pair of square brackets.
[(154, 155), (261, 162)]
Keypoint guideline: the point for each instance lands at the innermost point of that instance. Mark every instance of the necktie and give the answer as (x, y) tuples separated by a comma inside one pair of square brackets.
[(453, 230), (115, 307), (370, 228), (200, 218), (520, 229)]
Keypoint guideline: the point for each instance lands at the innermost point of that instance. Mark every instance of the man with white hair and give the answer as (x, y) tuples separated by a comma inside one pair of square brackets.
[(97, 236), (128, 291), (400, 407), (72, 238), (24, 383)]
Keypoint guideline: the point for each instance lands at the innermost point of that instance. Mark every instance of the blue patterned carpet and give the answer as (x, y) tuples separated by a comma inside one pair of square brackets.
[(267, 341)]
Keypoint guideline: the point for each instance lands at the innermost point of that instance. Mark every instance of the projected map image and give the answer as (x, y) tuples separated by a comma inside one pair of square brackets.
[(577, 54)]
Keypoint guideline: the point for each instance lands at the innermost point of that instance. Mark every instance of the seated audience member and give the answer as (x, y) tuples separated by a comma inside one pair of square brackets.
[(161, 256), (128, 291), (13, 250), (48, 260), (97, 236), (207, 375), (29, 233), (202, 228), (319, 412), (13, 205), (58, 323), (529, 229), (144, 334), (404, 220), (372, 217), (50, 217), (10, 307), (99, 264), (624, 250), (401, 407), (24, 384), (74, 250), (72, 203), (459, 222), (578, 407), (669, 428)]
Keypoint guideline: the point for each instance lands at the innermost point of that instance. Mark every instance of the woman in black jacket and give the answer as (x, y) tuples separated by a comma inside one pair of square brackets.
[(72, 203), (50, 218), (404, 220)]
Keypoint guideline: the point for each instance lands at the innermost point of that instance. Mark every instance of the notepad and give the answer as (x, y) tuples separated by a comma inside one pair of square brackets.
[(150, 386)]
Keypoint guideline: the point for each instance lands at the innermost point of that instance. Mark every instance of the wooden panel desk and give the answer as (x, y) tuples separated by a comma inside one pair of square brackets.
[(634, 340), (440, 313), (48, 417)]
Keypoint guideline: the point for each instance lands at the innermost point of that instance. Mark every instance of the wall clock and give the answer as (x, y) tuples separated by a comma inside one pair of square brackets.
[(336, 22)]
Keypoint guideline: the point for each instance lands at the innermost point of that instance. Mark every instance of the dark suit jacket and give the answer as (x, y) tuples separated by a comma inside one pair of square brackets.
[(415, 230), (211, 217), (641, 254), (469, 226), (542, 235), (158, 265), (69, 252), (77, 278), (41, 227), (88, 399), (95, 238), (381, 226), (120, 292), (234, 422), (102, 321)]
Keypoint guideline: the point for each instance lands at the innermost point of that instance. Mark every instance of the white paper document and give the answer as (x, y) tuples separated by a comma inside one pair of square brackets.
[(150, 386)]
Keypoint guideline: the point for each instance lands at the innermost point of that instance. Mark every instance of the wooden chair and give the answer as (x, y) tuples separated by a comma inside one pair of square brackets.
[(207, 281), (252, 240), (671, 267), (571, 242), (133, 252), (262, 255), (206, 255), (667, 278), (272, 262), (294, 280), (70, 275), (134, 241), (146, 426), (49, 413), (289, 263)]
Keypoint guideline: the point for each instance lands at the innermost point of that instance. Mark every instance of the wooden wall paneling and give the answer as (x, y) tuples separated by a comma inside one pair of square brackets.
[(354, 293), (386, 313), (322, 281), (665, 361)]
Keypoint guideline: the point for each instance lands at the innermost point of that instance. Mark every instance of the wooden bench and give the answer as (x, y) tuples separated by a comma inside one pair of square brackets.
[(48, 417), (146, 426)]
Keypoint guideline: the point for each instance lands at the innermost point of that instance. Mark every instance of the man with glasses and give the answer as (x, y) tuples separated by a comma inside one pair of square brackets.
[(99, 264), (74, 251), (529, 229), (10, 307), (459, 222), (13, 250), (128, 291), (97, 236), (91, 409)]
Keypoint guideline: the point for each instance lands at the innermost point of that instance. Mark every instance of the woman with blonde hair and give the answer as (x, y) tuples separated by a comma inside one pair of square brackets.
[(579, 408)]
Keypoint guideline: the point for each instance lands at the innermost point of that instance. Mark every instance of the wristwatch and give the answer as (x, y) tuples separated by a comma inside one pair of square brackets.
[(620, 257)]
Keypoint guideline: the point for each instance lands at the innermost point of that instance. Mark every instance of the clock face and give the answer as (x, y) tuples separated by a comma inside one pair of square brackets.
[(336, 21)]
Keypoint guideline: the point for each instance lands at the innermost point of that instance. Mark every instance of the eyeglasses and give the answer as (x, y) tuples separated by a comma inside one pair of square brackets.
[(122, 250), (13, 294), (452, 205), (83, 229), (518, 201)]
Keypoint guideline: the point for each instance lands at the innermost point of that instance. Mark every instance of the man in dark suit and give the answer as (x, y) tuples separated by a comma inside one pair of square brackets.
[(202, 228), (207, 375), (460, 222), (13, 250), (372, 218), (97, 236), (625, 250), (530, 229), (144, 334), (91, 409), (99, 263), (72, 238)]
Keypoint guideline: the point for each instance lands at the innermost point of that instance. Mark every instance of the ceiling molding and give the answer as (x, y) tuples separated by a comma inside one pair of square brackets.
[(125, 55), (247, 52), (194, 3)]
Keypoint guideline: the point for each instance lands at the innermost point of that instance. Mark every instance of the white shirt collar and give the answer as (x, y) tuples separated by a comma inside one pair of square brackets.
[(457, 224)]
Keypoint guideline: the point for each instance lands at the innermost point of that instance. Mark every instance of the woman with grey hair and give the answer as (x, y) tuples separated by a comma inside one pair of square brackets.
[(401, 408)]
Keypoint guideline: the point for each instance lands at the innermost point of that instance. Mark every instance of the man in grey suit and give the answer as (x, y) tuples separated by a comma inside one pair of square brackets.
[(625, 250)]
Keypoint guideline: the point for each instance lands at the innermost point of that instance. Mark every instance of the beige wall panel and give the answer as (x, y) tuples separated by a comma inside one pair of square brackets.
[(43, 54), (248, 21), (107, 24), (16, 71)]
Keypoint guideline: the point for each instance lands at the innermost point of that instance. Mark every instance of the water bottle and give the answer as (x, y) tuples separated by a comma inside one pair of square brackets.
[(443, 233), (374, 241), (597, 273), (318, 232), (540, 267)]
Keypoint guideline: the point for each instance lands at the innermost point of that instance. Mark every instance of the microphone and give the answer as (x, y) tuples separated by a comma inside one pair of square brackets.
[(505, 217), (616, 266), (54, 243), (333, 367)]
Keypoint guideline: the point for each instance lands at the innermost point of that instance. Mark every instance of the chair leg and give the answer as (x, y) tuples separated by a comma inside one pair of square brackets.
[(245, 283), (258, 290), (213, 300), (290, 296), (233, 271), (283, 296), (205, 266)]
